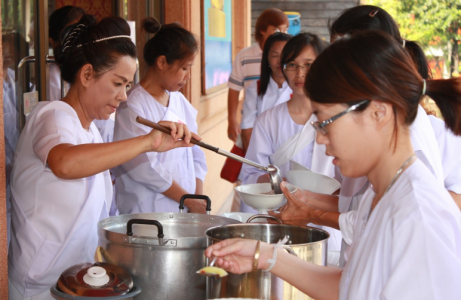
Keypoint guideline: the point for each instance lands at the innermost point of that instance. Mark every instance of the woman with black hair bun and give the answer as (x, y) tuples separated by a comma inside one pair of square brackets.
[(61, 185), (365, 91), (270, 90), (155, 182)]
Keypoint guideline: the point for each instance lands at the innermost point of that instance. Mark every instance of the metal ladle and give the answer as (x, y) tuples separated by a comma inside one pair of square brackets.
[(274, 172)]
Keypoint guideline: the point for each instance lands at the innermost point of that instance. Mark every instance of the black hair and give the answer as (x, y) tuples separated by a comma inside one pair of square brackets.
[(170, 40), (265, 68), (296, 45), (372, 65), (60, 18), (369, 17), (79, 46)]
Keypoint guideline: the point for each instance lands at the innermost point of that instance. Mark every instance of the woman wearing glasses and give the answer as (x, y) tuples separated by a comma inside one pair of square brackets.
[(409, 246), (283, 135)]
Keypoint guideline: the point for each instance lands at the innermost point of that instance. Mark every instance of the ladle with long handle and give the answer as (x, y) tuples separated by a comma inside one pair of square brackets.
[(274, 172)]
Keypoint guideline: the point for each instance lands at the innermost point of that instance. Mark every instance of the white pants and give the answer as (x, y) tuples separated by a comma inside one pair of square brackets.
[(14, 294)]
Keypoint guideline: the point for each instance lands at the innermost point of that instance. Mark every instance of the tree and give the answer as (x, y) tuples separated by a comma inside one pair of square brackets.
[(430, 22)]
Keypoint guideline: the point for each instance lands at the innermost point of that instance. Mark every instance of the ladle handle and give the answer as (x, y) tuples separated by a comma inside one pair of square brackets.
[(167, 130)]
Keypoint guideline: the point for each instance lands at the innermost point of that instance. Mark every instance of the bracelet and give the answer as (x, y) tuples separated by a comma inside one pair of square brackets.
[(274, 258), (256, 260)]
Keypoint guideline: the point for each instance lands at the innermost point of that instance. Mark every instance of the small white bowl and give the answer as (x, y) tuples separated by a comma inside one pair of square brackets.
[(252, 195), (314, 182)]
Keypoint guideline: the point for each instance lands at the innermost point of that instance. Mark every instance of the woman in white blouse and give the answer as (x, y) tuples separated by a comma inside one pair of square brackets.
[(365, 92), (60, 184)]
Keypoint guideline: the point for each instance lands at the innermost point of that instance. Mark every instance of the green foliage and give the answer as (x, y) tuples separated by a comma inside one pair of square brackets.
[(431, 22)]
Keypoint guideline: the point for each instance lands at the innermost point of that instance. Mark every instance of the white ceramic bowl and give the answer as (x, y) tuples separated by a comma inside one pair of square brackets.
[(252, 195), (313, 182), (239, 216)]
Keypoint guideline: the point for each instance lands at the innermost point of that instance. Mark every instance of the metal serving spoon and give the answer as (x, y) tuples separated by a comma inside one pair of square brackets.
[(274, 172)]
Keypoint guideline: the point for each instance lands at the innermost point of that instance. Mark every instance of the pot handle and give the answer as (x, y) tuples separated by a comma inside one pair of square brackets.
[(263, 217), (193, 196), (130, 223)]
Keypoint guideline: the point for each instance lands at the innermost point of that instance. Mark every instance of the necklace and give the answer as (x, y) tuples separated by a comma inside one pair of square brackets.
[(397, 175)]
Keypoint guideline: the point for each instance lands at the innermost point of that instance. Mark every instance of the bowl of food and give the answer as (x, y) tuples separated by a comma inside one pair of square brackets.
[(261, 197), (314, 182)]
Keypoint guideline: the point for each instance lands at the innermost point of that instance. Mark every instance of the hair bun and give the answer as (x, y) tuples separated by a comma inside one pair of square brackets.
[(151, 25)]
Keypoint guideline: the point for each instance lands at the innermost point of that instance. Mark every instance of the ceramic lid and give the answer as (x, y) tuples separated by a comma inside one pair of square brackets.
[(95, 280)]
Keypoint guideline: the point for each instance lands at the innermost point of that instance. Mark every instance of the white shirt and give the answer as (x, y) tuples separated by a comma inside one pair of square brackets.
[(54, 92), (410, 248), (140, 182), (54, 220), (450, 151), (246, 68), (272, 129), (254, 105)]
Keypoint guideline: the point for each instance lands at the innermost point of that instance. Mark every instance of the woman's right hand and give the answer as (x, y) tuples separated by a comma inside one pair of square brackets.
[(233, 130), (180, 137), (237, 255)]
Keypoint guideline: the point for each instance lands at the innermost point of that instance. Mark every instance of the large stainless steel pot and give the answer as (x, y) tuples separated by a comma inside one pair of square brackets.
[(308, 243), (161, 251)]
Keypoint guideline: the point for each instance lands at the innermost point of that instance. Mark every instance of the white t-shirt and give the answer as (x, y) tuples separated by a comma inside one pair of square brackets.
[(141, 181), (410, 248), (254, 105), (246, 68), (54, 220), (450, 151)]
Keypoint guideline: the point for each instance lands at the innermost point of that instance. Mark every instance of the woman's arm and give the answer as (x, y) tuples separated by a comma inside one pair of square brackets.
[(69, 161), (300, 209), (237, 256)]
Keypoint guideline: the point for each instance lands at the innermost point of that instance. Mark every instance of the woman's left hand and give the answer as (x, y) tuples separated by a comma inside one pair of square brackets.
[(180, 137)]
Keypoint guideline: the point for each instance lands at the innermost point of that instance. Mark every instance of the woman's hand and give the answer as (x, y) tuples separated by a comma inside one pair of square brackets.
[(237, 255), (180, 137), (296, 211), (197, 206)]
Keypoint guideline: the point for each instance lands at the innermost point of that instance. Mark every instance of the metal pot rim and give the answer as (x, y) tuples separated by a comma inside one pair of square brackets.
[(269, 225)]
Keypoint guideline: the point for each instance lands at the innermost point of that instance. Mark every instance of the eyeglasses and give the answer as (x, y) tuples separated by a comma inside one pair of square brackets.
[(320, 127), (294, 67)]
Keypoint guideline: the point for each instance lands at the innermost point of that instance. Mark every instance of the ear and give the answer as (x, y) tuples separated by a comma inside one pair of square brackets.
[(86, 74), (381, 113), (161, 62)]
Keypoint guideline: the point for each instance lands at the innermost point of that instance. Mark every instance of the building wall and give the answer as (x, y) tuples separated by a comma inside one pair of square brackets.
[(314, 13)]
